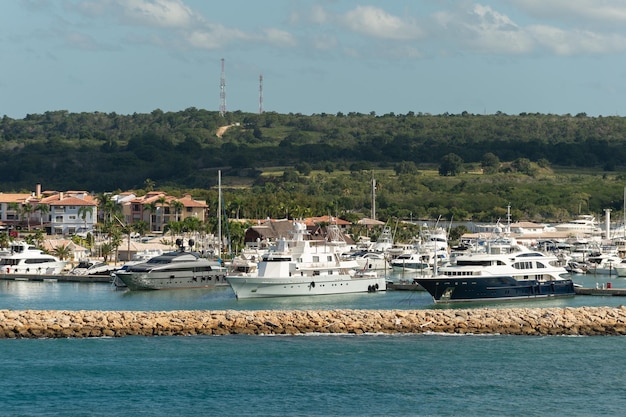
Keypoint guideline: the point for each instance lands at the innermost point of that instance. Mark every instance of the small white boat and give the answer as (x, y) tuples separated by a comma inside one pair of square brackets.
[(412, 261), (604, 264), (370, 261), (92, 267)]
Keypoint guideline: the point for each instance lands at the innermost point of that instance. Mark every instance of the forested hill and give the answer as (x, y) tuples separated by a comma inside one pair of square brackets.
[(101, 152)]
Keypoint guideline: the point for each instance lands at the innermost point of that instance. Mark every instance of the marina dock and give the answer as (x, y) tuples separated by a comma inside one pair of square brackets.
[(56, 278), (606, 291), (404, 286)]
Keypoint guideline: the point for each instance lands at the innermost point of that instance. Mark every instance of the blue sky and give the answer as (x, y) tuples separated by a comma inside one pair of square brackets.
[(325, 56)]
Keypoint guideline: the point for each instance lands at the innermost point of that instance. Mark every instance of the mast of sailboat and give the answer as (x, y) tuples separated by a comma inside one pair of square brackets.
[(373, 216), (219, 215)]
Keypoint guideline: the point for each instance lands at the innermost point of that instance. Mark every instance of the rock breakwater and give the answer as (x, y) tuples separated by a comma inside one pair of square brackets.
[(514, 321)]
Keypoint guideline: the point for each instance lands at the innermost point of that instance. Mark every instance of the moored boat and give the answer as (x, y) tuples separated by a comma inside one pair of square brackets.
[(487, 277), (23, 258), (299, 267), (173, 270)]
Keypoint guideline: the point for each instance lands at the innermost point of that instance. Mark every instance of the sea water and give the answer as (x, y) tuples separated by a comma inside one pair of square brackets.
[(366, 375), (311, 375)]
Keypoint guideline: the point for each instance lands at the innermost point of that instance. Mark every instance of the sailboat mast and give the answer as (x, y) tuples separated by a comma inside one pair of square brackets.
[(219, 214), (373, 216)]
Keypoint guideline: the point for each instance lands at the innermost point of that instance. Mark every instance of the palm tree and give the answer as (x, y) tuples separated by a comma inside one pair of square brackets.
[(107, 206), (27, 210), (161, 201), (152, 208), (177, 206), (38, 237), (106, 249), (43, 209), (140, 227), (149, 185), (62, 252), (82, 212), (4, 240), (16, 208)]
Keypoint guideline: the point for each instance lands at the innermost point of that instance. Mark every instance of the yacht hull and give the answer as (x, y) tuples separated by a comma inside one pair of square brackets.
[(493, 288), (258, 287)]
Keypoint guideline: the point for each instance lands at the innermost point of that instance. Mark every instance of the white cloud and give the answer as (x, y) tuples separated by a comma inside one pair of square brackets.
[(324, 42), (589, 10), (278, 37), (564, 42), (377, 23), (486, 30), (158, 13), (483, 29), (214, 37)]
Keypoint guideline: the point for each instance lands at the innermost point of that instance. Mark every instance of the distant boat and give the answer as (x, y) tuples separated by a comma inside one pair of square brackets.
[(585, 224), (23, 258)]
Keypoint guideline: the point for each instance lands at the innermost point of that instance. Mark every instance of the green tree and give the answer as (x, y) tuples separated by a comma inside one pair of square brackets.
[(27, 210), (161, 202), (523, 165), (490, 163), (405, 167), (83, 211), (177, 207), (451, 165), (43, 209), (149, 185), (151, 208), (62, 252)]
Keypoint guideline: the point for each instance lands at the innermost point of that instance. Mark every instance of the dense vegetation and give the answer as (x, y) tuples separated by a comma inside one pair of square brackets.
[(464, 166)]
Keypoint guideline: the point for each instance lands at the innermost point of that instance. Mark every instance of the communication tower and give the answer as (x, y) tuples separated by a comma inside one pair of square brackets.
[(261, 94), (223, 91)]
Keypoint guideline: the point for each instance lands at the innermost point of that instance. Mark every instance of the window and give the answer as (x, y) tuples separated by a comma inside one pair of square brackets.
[(58, 219)]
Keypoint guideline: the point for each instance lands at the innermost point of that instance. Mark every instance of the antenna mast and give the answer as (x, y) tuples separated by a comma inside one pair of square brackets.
[(223, 91), (261, 94)]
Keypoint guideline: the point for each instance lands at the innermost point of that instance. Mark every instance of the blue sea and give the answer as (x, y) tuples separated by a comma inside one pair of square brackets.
[(312, 375)]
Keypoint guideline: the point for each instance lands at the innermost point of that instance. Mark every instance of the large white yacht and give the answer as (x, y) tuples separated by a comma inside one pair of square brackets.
[(486, 276), (303, 267), (585, 224), (23, 258)]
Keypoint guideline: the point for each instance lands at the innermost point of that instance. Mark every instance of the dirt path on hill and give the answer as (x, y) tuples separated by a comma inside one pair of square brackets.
[(222, 129)]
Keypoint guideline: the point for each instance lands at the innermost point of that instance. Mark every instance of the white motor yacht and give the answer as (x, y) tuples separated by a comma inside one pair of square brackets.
[(23, 258), (303, 267)]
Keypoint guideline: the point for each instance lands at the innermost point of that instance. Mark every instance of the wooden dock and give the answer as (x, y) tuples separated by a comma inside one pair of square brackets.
[(404, 286), (619, 292), (56, 278)]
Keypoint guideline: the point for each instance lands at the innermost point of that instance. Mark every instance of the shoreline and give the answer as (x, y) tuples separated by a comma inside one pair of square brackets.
[(568, 321)]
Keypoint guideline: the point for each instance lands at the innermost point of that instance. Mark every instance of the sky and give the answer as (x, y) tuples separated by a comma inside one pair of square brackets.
[(315, 56)]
